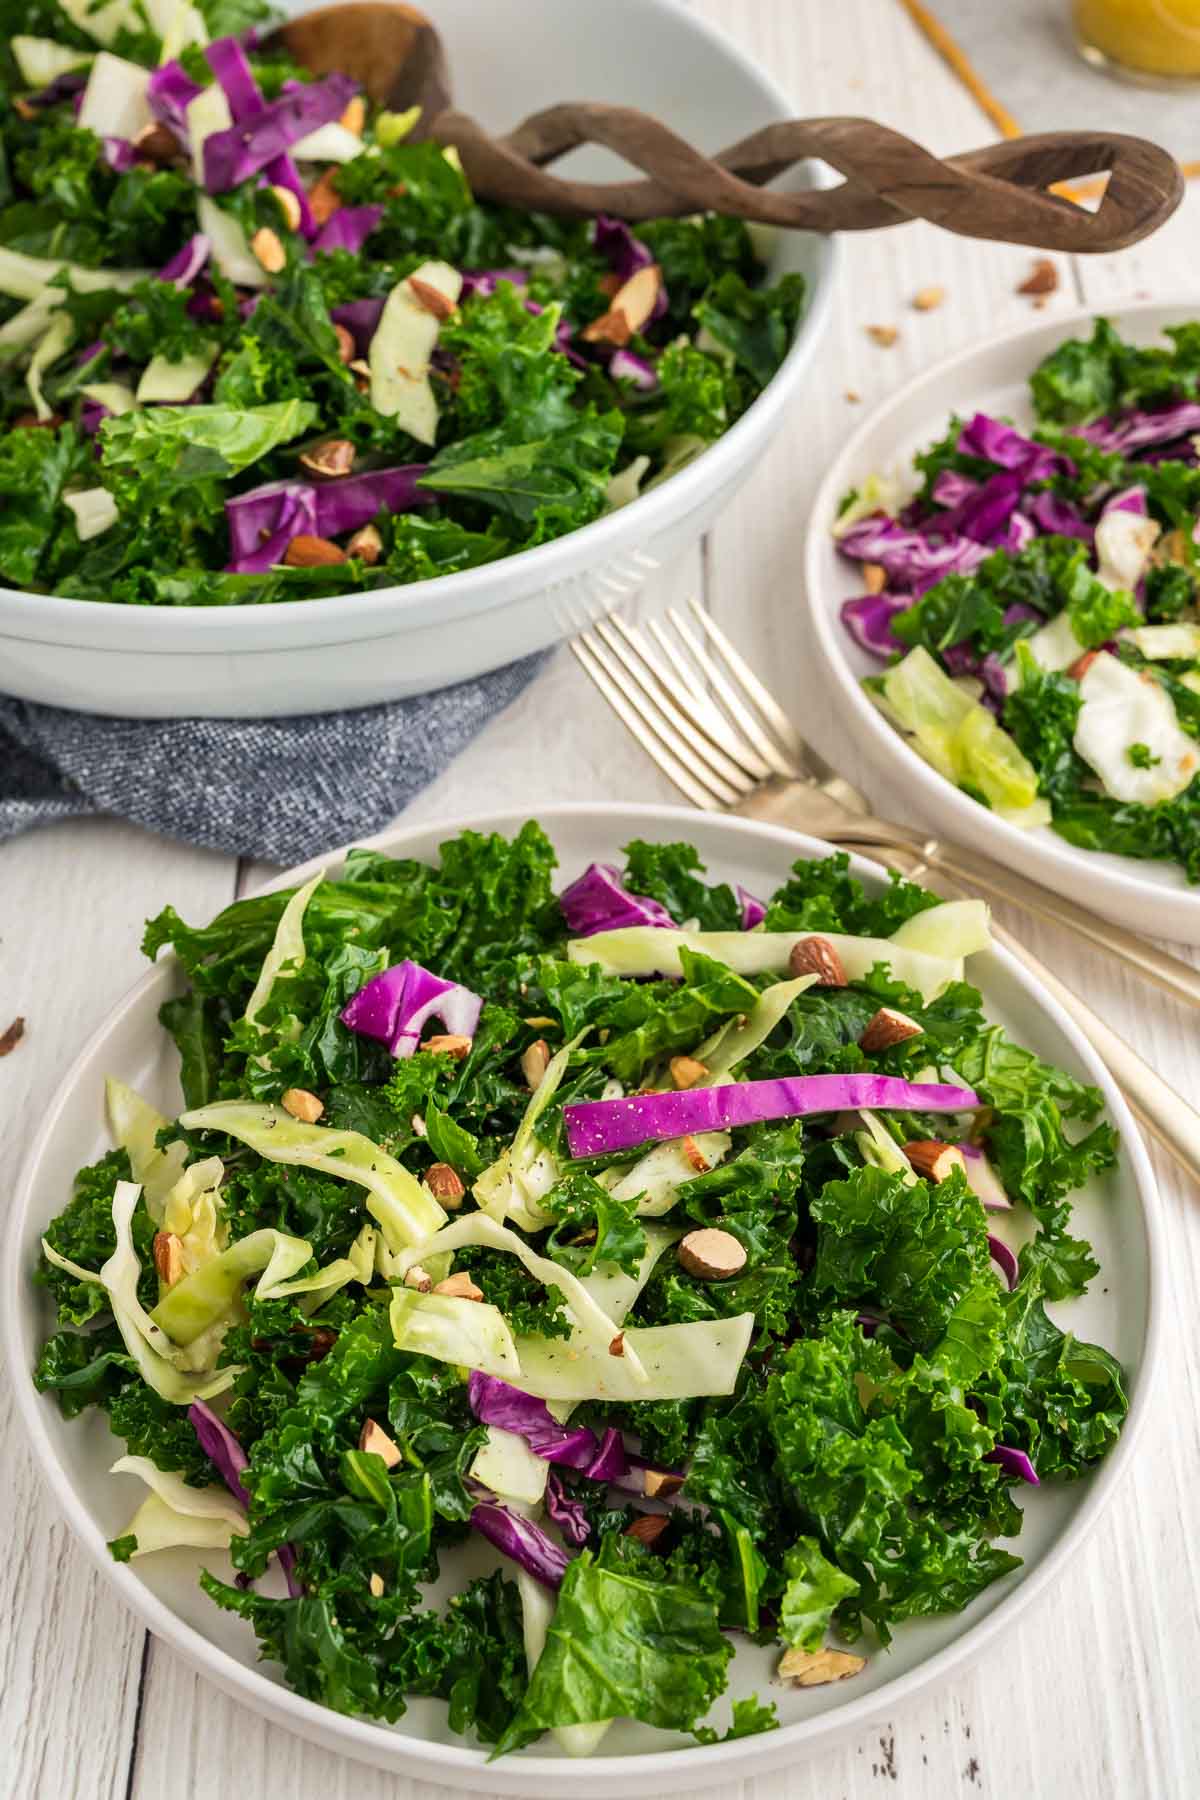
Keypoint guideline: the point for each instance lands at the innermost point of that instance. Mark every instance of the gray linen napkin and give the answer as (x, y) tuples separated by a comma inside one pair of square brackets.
[(280, 789)]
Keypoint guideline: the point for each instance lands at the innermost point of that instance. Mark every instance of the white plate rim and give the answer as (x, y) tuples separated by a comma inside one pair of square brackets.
[(940, 795), (469, 1768)]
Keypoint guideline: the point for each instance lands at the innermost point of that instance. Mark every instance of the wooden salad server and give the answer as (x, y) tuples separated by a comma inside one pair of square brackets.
[(1000, 191)]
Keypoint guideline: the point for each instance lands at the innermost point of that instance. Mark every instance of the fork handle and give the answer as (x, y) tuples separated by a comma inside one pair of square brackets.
[(1168, 972)]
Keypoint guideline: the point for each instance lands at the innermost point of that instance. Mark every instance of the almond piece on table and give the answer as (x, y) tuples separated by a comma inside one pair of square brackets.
[(302, 1105), (1042, 278), (647, 1528), (448, 1043), (813, 1668), (934, 1160), (535, 1061), (374, 1438), (11, 1036), (459, 1287), (366, 544), (269, 251), (874, 577), (168, 1257), (445, 1184), (686, 1071), (817, 956), (928, 299), (660, 1484), (883, 335), (334, 457), (711, 1255), (306, 552), (888, 1027)]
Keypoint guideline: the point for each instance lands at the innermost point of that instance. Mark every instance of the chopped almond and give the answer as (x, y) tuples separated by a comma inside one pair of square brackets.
[(323, 197), (1079, 668), (268, 250), (445, 1184), (448, 1043), (631, 307), (933, 1160), (306, 552), (376, 1585), (1042, 278), (647, 1528), (24, 110), (813, 1668), (374, 1438), (883, 335), (660, 1484), (168, 1257), (874, 577), (686, 1071), (302, 1105), (157, 143), (333, 458), (711, 1255), (459, 1287), (431, 298), (289, 206), (535, 1061), (692, 1153), (888, 1027), (345, 342), (355, 116), (852, 397), (617, 1346), (817, 956), (366, 544)]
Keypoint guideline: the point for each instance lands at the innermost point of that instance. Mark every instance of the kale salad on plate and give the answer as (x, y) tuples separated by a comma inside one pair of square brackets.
[(1036, 600), (654, 1265), (260, 342)]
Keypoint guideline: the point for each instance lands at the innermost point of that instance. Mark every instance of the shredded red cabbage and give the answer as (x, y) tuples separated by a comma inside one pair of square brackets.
[(395, 1005), (868, 619), (187, 263), (522, 1540), (599, 902), (482, 283), (169, 93), (229, 1459), (997, 442), (496, 1402), (623, 365), (625, 254), (753, 910), (348, 229), (231, 157), (568, 1514), (1014, 1462), (1139, 429), (907, 555), (1004, 1260), (595, 1127), (361, 319)]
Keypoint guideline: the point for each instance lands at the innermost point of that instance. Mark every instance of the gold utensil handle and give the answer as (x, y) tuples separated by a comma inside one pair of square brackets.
[(1168, 972)]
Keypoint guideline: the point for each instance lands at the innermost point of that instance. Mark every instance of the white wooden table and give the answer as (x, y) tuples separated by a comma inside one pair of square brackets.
[(1093, 1694)]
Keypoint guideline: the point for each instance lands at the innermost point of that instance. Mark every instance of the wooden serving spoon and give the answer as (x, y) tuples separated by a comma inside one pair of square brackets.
[(998, 192)]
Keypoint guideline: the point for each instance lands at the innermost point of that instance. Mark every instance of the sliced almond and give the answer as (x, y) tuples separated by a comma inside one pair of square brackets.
[(631, 307), (267, 248), (934, 1160), (883, 335), (333, 458), (347, 348), (692, 1153), (534, 1062), (355, 116), (1042, 278), (459, 1287), (686, 1071), (660, 1484), (366, 545), (928, 299), (323, 197), (376, 1585), (813, 1668), (445, 1184), (419, 1278), (874, 577), (374, 1438), (24, 110), (817, 956), (431, 298), (302, 1105), (711, 1255), (1079, 668), (305, 552), (617, 1345), (888, 1027), (647, 1528), (448, 1043), (289, 206), (168, 1257)]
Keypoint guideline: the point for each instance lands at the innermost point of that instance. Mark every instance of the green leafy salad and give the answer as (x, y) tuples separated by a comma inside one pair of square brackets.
[(1036, 600), (639, 1258), (259, 341)]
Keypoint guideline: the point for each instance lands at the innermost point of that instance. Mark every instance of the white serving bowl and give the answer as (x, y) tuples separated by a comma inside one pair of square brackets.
[(508, 58), (990, 377), (1119, 1214)]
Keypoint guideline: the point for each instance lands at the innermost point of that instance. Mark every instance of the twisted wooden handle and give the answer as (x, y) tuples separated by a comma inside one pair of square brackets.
[(997, 192)]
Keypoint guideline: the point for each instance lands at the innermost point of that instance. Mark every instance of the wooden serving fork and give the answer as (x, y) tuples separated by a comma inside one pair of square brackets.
[(1001, 191)]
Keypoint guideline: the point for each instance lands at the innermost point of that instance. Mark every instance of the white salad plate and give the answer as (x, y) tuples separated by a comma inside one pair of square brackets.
[(508, 58), (990, 377), (1119, 1214)]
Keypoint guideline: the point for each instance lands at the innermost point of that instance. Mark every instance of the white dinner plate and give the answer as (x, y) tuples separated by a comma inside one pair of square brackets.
[(991, 377), (1119, 1214)]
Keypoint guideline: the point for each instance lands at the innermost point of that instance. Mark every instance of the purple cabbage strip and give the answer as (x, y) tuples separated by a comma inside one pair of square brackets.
[(187, 263), (354, 500), (481, 284), (395, 1005), (1058, 518), (1014, 1462), (170, 92), (1004, 1260), (625, 254), (984, 513), (119, 154), (229, 1459), (497, 1402), (597, 1126), (1139, 429), (263, 523), (522, 1540), (569, 1515), (997, 442), (868, 619), (68, 86), (1130, 500), (361, 319), (348, 229), (230, 65), (950, 487), (753, 910), (907, 556), (598, 901), (623, 365), (994, 676), (232, 156)]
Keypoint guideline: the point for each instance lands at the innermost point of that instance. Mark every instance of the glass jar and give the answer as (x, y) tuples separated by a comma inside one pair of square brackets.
[(1153, 41)]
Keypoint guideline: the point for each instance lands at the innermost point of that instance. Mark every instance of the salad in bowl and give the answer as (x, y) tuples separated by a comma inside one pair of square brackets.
[(682, 1251)]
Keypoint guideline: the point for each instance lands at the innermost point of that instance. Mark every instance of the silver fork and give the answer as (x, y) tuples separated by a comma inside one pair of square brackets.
[(698, 709)]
